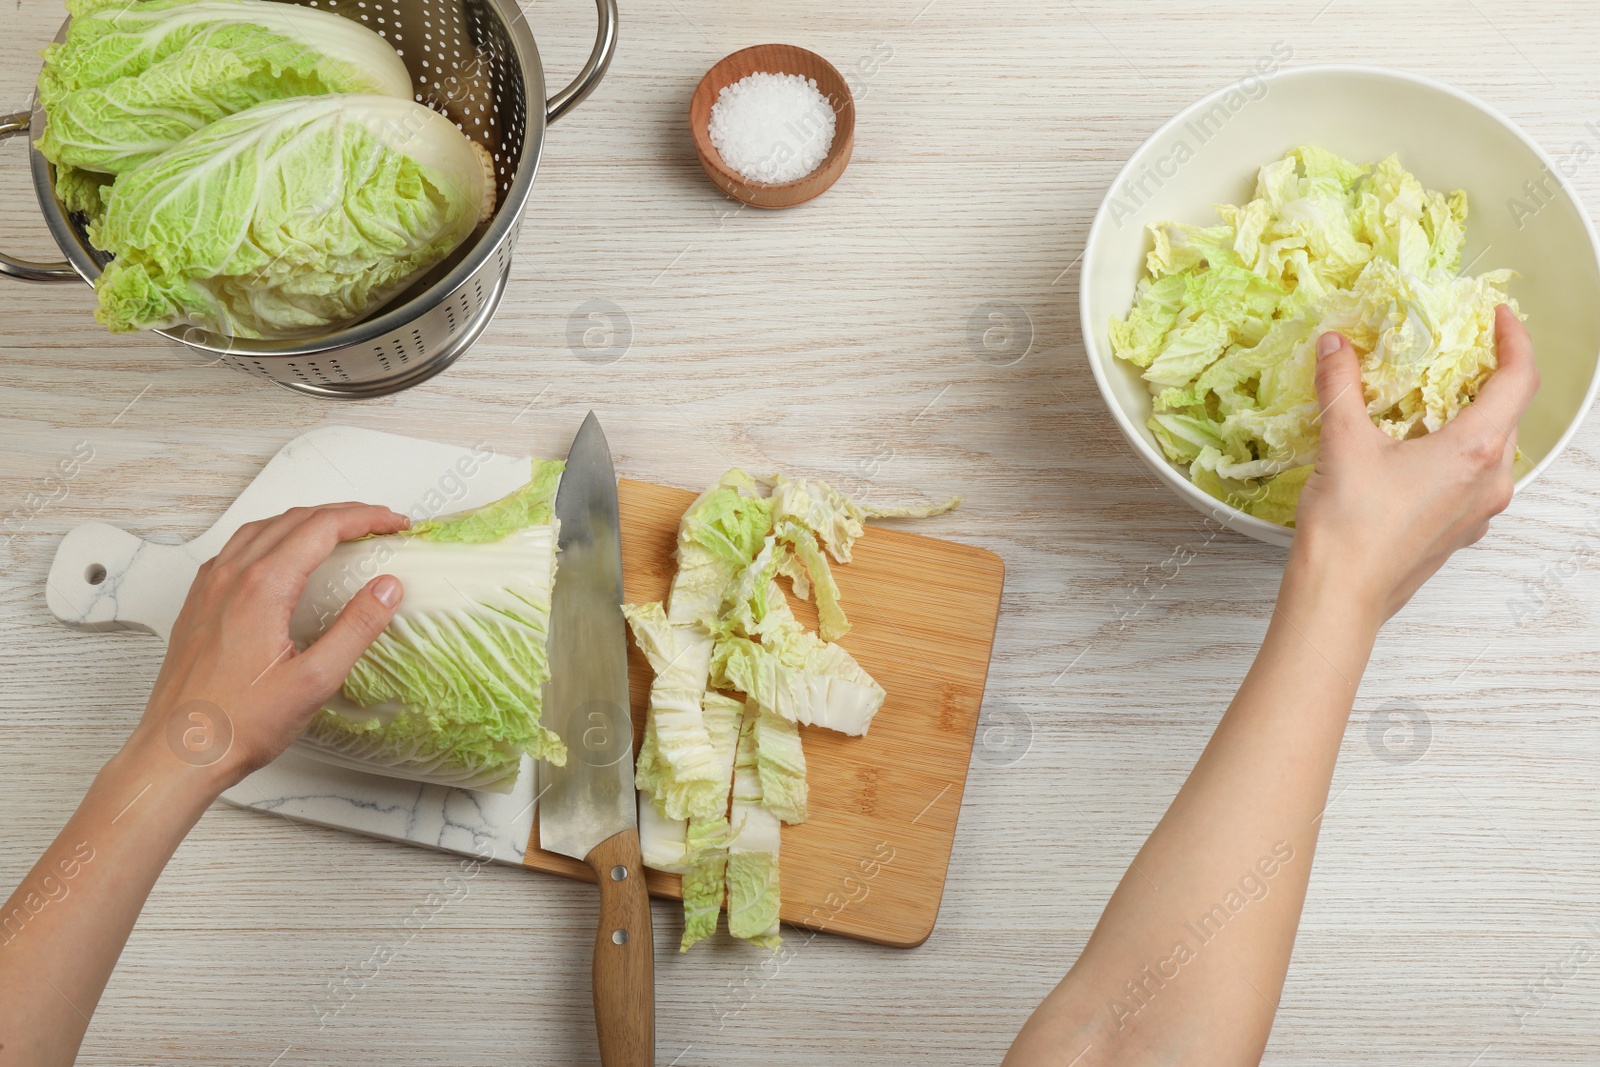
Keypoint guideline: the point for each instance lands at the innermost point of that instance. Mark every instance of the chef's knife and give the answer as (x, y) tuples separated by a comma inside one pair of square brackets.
[(588, 809)]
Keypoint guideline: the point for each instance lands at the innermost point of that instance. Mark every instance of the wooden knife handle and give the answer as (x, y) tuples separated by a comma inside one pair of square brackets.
[(624, 955)]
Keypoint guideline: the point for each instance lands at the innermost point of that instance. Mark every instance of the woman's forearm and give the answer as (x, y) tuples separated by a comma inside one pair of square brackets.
[(232, 694), (1187, 962), (1189, 957), (64, 927)]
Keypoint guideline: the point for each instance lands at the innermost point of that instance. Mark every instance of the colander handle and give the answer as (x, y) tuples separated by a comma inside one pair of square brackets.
[(26, 269), (605, 46)]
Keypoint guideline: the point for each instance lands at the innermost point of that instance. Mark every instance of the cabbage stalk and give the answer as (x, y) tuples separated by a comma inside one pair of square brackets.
[(706, 837), (753, 848)]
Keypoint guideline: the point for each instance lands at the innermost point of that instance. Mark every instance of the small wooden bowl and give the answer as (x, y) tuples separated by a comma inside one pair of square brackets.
[(774, 59)]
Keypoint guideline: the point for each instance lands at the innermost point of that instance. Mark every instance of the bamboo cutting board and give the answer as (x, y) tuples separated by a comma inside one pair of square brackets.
[(870, 862)]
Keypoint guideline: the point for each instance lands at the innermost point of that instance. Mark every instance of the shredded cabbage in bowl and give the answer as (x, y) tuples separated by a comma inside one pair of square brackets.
[(1225, 326)]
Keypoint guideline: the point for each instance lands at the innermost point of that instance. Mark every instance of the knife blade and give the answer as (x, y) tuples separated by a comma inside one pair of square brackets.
[(588, 809)]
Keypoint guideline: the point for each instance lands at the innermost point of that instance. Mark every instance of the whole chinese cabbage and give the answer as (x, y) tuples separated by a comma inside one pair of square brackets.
[(132, 78), (450, 693), (289, 218), (1225, 326)]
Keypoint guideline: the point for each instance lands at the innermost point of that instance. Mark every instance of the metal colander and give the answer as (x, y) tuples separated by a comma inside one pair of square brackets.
[(473, 60)]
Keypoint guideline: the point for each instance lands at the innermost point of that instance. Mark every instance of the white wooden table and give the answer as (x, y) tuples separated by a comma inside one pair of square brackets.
[(832, 341)]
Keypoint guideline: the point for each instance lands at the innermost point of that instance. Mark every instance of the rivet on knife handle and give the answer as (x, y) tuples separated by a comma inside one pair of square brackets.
[(624, 955)]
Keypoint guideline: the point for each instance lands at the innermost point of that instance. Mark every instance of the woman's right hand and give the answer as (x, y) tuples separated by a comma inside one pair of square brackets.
[(1378, 516)]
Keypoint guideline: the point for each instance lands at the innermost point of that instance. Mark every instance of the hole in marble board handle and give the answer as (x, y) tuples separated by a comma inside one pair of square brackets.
[(94, 574)]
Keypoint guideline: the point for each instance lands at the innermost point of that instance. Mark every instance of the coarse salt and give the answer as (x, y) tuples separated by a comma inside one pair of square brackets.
[(772, 128)]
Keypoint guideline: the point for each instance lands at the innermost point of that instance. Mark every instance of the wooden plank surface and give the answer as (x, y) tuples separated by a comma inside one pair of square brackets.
[(832, 341), (869, 862)]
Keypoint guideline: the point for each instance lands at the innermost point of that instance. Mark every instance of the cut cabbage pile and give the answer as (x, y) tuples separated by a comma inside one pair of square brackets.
[(1225, 326), (719, 775), (450, 693), (258, 169)]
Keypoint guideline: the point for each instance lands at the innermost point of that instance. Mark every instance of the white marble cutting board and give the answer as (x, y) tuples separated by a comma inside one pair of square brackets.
[(104, 578)]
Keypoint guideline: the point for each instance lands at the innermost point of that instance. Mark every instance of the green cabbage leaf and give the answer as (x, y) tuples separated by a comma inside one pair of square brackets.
[(82, 191), (706, 837), (753, 848), (132, 78), (780, 766)]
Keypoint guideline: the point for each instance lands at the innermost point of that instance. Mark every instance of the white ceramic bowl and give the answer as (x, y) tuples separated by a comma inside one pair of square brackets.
[(1210, 152)]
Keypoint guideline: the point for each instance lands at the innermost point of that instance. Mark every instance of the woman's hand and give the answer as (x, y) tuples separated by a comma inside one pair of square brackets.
[(1378, 516), (233, 691), (1156, 984)]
